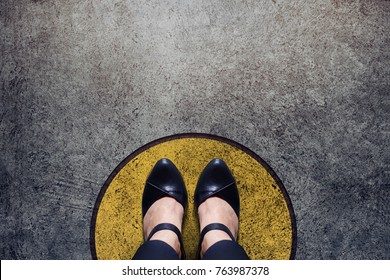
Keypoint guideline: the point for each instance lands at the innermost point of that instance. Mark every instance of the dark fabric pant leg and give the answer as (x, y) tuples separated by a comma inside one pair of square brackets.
[(225, 250), (155, 250)]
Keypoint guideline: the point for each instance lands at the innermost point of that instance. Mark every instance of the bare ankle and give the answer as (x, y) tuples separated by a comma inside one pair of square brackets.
[(168, 237), (213, 237), (216, 210), (165, 210)]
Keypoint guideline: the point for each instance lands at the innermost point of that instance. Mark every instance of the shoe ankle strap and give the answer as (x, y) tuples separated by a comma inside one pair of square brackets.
[(171, 227), (214, 226)]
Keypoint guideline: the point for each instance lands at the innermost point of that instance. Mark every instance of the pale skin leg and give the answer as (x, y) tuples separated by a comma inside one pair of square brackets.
[(212, 210), (216, 210), (165, 210)]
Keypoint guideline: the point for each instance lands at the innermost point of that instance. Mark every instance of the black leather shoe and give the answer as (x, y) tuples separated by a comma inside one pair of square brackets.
[(217, 180), (164, 180)]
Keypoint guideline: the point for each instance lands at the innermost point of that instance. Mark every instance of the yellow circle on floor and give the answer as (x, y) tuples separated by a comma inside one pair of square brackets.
[(267, 223)]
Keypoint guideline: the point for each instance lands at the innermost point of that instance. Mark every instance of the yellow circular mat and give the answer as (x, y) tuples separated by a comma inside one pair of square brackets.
[(267, 222)]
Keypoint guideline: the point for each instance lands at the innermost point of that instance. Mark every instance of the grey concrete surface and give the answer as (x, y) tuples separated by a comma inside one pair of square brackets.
[(304, 84)]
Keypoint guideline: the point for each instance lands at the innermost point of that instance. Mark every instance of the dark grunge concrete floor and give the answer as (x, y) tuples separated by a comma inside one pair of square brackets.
[(304, 84)]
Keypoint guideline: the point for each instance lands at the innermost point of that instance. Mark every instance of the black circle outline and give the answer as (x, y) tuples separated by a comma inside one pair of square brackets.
[(192, 135)]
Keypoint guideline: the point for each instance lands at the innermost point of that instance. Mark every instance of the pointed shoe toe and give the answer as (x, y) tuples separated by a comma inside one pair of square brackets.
[(216, 180), (164, 180)]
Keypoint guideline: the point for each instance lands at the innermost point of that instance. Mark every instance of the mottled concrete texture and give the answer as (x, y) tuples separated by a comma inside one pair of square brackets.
[(304, 84)]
